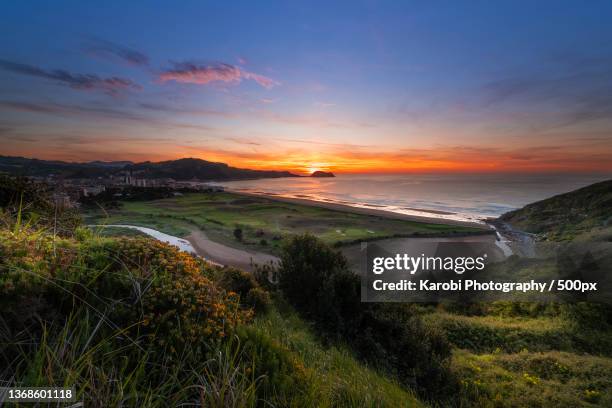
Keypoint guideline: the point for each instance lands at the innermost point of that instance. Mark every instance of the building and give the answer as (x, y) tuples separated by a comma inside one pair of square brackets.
[(90, 191)]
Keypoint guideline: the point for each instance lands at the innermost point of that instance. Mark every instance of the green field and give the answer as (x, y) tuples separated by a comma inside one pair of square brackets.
[(264, 222), (506, 358)]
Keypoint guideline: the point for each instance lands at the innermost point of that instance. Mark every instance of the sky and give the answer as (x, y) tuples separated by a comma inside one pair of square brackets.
[(356, 86)]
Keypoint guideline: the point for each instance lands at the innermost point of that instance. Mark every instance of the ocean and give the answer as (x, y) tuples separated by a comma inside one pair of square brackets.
[(465, 197)]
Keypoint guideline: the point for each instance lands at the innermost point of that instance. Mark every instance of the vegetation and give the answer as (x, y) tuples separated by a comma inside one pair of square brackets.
[(565, 216), (182, 169), (315, 279), (24, 203), (259, 219), (134, 322), (510, 354)]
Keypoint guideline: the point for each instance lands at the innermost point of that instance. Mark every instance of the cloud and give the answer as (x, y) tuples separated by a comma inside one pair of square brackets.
[(324, 104), (242, 141), (113, 86), (157, 107), (308, 120), (192, 73), (98, 111), (116, 52), (579, 91)]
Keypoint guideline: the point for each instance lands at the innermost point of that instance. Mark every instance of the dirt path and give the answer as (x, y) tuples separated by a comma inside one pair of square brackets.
[(226, 255)]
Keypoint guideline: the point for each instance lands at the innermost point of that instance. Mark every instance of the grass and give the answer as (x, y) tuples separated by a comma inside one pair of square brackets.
[(534, 379), (513, 334), (133, 322), (540, 356), (264, 222), (566, 216), (340, 378)]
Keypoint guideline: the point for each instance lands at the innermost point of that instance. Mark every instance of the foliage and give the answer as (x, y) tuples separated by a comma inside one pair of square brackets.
[(26, 204), (158, 292), (238, 234), (245, 284), (236, 280), (529, 379), (315, 279), (258, 299)]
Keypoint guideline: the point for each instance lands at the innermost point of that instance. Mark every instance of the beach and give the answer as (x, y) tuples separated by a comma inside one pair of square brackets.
[(369, 210)]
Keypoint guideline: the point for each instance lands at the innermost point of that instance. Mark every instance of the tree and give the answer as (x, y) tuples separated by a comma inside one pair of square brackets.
[(238, 234)]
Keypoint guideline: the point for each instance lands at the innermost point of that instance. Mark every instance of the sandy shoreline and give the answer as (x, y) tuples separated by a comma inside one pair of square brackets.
[(365, 211)]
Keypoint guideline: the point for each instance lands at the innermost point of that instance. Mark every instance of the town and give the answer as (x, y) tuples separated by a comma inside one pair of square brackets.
[(70, 192)]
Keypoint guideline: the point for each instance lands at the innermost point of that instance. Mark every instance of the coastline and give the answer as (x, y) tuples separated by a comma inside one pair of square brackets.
[(376, 212)]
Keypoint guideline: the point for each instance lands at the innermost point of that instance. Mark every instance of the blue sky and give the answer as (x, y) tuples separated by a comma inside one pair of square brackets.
[(348, 86)]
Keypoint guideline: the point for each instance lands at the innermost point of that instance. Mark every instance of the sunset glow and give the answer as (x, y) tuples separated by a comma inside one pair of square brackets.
[(386, 88)]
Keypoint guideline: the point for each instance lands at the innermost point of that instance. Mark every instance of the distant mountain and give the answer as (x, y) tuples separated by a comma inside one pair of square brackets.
[(35, 167), (197, 169), (564, 216), (182, 169), (115, 164), (320, 173)]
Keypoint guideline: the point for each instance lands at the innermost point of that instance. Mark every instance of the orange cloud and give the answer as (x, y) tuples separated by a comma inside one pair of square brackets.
[(302, 156)]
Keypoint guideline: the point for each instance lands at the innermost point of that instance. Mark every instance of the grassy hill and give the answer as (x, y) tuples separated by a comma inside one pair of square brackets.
[(565, 216), (135, 322)]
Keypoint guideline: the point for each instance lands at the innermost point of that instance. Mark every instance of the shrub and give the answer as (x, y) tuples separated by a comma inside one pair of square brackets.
[(266, 275), (238, 234), (163, 295), (238, 281), (307, 263), (136, 322), (259, 300)]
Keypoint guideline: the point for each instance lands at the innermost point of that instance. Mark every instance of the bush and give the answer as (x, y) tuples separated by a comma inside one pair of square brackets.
[(237, 281), (238, 234), (161, 294), (136, 322), (307, 263), (259, 300)]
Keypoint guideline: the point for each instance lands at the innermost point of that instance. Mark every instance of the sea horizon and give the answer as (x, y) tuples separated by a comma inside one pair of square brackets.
[(471, 197)]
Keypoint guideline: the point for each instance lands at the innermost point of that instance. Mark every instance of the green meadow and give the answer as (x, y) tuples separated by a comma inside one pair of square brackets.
[(529, 355), (264, 222)]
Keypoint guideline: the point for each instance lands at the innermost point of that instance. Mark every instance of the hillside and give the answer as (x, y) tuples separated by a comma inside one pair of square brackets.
[(189, 168), (181, 169), (23, 166), (564, 216)]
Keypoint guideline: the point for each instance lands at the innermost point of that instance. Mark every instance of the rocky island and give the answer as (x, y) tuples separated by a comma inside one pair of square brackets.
[(320, 173)]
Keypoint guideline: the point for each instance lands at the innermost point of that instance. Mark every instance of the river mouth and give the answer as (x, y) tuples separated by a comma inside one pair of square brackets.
[(182, 244)]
